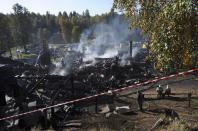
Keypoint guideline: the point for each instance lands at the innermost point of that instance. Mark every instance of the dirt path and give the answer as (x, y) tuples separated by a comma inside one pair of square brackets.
[(153, 110)]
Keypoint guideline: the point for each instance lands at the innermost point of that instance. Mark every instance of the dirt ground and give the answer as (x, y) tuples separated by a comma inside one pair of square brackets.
[(133, 119)]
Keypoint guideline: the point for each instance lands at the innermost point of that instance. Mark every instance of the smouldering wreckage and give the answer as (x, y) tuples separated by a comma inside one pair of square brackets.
[(25, 88)]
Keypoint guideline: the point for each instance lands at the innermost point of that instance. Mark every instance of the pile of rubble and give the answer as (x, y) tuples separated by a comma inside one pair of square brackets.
[(25, 87)]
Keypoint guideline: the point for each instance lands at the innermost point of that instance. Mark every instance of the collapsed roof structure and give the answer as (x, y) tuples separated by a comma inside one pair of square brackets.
[(26, 87)]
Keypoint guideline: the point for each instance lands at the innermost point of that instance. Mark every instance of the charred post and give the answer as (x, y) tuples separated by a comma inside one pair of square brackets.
[(189, 99), (72, 86), (131, 49)]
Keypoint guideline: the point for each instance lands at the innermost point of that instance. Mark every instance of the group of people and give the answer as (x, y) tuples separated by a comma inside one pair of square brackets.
[(160, 94)]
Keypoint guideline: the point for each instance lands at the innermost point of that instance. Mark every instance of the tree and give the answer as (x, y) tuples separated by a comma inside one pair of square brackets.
[(21, 25), (87, 17), (171, 28), (5, 34), (65, 15), (75, 34), (66, 28)]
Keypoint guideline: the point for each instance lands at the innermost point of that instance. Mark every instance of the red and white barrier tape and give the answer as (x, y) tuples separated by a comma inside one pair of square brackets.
[(100, 94)]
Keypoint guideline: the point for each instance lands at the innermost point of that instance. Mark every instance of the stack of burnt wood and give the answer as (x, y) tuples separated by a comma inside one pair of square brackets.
[(109, 73), (25, 88)]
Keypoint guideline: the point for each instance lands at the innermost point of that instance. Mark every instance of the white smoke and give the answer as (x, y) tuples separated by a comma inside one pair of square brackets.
[(58, 70), (103, 41), (107, 39)]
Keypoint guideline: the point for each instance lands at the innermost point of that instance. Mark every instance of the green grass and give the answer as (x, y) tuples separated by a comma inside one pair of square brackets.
[(22, 55), (29, 56)]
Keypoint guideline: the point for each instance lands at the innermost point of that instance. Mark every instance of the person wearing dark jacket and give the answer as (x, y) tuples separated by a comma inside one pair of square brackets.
[(140, 100)]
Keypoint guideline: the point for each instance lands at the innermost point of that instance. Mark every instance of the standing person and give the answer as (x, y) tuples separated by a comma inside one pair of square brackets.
[(140, 100)]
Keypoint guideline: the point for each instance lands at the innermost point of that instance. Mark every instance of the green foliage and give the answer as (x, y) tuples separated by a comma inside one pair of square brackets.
[(76, 34), (171, 27), (66, 29), (21, 25), (71, 26), (5, 34), (30, 28), (29, 56), (45, 34)]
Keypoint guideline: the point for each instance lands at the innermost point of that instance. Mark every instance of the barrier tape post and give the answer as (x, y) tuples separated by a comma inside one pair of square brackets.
[(100, 94)]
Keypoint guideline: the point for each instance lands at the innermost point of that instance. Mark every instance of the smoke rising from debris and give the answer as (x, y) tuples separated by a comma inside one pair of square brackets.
[(104, 40), (108, 37)]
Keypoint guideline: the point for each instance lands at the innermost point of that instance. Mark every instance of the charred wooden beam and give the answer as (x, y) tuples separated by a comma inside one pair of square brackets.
[(48, 77)]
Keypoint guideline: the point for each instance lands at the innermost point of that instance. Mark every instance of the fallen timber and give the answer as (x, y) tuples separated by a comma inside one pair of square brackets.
[(35, 90)]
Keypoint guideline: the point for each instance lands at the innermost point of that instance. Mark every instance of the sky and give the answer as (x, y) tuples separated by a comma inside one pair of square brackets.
[(54, 6)]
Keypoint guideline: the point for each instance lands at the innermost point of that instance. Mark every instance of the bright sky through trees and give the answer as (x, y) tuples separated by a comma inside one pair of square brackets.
[(54, 6)]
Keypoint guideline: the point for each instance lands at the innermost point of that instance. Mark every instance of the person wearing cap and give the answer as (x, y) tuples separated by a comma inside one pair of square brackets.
[(159, 90)]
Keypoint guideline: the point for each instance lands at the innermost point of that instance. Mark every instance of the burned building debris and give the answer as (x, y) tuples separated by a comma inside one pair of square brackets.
[(26, 87)]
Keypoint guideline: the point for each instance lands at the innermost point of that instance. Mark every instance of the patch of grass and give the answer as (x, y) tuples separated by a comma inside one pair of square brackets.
[(22, 55), (179, 126), (28, 56), (194, 103)]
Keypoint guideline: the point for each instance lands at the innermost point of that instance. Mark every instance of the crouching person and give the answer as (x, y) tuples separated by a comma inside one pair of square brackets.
[(167, 91), (159, 90)]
